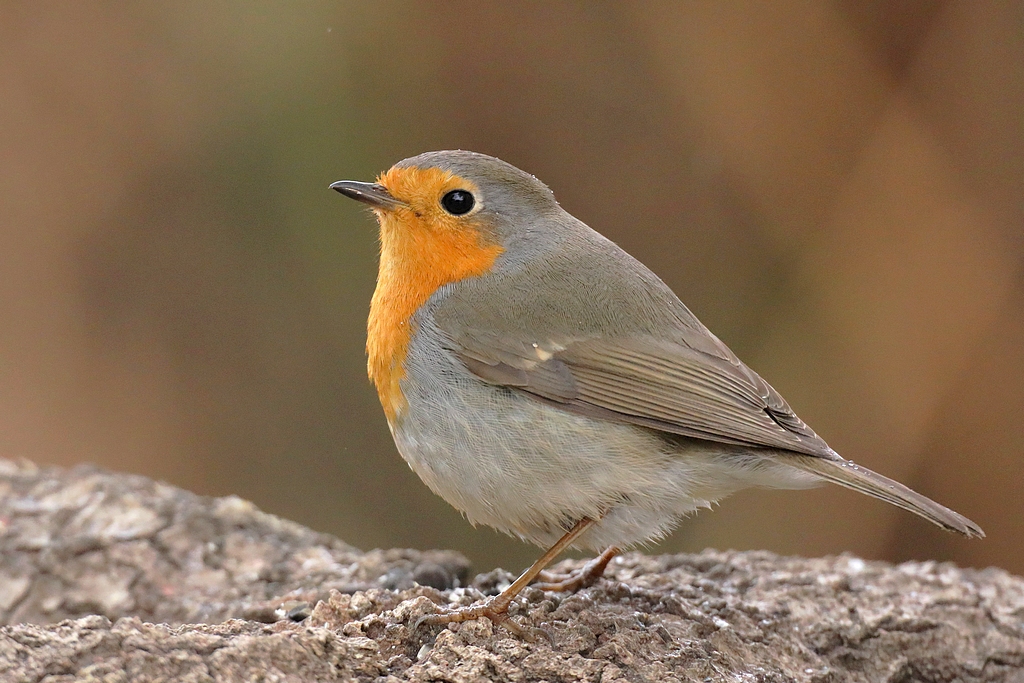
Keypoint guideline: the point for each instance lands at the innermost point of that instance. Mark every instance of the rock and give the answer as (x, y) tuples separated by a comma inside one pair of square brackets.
[(111, 577), (82, 542)]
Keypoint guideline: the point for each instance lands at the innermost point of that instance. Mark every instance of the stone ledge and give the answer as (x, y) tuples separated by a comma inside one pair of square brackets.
[(115, 577)]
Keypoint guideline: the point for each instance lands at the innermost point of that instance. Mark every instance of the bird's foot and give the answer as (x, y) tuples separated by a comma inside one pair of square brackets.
[(583, 577), (494, 609)]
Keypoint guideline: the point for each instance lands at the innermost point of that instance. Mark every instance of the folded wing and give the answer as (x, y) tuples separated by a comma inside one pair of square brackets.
[(699, 390)]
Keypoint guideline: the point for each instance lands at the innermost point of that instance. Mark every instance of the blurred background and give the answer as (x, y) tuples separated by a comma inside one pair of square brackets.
[(835, 188)]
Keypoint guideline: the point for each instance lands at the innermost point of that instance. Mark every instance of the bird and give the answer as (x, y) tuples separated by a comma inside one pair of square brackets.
[(549, 385)]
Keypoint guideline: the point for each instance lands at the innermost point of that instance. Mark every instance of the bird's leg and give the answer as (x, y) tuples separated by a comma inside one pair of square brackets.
[(496, 608), (581, 578)]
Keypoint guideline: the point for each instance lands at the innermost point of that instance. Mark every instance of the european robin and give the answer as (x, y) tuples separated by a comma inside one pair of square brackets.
[(547, 384)]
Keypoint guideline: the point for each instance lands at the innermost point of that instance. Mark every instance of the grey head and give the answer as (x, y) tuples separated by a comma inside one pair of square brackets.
[(511, 202)]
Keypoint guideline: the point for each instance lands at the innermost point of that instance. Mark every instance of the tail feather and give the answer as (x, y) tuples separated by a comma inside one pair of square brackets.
[(845, 473)]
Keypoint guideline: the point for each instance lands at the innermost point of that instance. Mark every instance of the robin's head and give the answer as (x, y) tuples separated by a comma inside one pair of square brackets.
[(451, 200), (444, 217)]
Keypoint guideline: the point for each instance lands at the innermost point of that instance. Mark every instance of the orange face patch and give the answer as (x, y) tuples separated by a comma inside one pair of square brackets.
[(422, 248)]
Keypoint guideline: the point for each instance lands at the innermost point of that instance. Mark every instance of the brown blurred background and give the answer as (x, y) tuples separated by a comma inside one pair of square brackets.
[(835, 188)]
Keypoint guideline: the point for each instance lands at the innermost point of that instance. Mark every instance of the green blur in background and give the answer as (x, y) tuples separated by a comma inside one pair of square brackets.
[(836, 189)]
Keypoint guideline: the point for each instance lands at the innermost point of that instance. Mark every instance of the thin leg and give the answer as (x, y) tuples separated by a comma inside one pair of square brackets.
[(581, 578), (496, 608)]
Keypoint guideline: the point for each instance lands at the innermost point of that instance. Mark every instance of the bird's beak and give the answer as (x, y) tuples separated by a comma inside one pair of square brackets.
[(373, 194)]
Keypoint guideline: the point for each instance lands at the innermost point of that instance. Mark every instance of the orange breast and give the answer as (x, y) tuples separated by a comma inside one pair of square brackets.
[(422, 248)]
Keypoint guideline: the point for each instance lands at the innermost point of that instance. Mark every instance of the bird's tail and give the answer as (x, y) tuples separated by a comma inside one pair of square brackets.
[(845, 473)]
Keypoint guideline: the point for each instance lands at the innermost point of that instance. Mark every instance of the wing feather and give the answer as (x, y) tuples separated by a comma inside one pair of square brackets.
[(674, 387)]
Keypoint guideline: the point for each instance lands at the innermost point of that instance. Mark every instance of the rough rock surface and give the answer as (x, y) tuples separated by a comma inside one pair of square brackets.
[(245, 596), (87, 542)]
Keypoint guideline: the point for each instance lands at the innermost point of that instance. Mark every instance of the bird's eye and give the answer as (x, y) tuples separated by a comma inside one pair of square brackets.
[(458, 202)]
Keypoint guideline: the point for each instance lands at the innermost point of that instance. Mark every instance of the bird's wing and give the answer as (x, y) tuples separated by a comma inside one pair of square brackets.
[(703, 392), (694, 387)]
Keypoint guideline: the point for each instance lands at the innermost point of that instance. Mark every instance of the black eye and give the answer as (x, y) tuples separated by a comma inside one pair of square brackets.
[(458, 202)]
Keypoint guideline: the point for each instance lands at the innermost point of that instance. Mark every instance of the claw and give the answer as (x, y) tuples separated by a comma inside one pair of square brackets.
[(536, 632), (419, 622)]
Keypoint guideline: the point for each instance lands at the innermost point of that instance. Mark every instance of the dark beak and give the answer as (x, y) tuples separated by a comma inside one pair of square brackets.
[(368, 193)]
